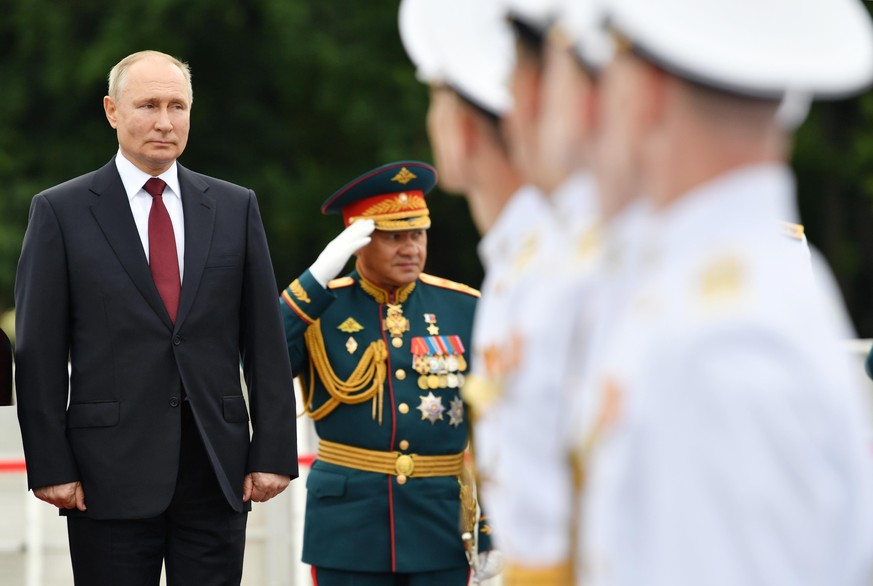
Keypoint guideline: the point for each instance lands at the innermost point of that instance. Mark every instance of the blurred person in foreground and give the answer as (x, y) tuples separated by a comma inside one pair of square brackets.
[(462, 51), (151, 282), (383, 354), (728, 442), (471, 129), (532, 492)]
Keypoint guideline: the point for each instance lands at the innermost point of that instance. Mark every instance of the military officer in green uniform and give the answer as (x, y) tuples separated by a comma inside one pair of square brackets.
[(382, 355)]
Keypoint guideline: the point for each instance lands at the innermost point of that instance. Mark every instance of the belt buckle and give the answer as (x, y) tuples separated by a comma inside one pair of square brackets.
[(404, 465)]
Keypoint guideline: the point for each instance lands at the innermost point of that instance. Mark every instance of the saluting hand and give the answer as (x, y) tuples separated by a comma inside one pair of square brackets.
[(339, 250), (63, 496), (262, 486)]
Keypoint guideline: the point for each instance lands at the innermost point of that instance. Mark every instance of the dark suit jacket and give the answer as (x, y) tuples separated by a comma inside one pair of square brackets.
[(84, 292), (5, 370)]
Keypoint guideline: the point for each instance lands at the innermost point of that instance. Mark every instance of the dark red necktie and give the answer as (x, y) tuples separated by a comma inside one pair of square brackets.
[(163, 259)]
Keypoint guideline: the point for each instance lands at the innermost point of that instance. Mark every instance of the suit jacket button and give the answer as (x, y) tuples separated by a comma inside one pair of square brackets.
[(174, 401), (177, 340)]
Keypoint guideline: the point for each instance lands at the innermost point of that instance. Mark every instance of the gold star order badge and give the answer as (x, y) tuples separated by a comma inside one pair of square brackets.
[(456, 412), (431, 407), (432, 329)]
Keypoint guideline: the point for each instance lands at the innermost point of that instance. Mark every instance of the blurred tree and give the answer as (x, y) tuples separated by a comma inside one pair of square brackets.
[(833, 159), (295, 97)]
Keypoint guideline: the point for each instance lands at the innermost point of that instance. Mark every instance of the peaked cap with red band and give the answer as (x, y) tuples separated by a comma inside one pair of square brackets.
[(392, 195)]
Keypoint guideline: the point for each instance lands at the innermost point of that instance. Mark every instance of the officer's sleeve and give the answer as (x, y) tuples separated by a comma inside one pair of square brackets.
[(273, 446), (302, 303)]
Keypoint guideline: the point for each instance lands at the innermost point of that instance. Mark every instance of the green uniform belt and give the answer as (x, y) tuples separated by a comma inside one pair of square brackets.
[(393, 463)]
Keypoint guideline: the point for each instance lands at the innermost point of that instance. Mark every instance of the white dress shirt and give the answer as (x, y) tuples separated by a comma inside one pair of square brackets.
[(134, 181)]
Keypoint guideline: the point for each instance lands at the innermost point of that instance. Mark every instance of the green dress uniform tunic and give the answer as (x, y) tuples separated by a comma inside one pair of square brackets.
[(352, 334)]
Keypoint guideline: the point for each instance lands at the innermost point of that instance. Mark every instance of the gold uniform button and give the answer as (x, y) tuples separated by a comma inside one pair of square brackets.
[(400, 374), (401, 479), (403, 408), (404, 445), (396, 342)]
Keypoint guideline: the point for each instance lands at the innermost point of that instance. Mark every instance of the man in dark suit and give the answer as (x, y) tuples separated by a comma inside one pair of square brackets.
[(154, 295)]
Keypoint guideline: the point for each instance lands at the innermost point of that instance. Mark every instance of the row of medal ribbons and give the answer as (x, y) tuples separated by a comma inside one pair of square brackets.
[(439, 360)]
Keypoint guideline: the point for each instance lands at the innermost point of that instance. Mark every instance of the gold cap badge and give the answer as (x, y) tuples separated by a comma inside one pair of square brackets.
[(403, 176)]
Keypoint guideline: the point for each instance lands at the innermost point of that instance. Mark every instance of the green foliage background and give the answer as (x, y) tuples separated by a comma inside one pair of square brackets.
[(295, 97)]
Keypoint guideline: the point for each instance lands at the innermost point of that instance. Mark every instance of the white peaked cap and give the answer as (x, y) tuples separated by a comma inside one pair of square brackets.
[(416, 33), (465, 44), (538, 14), (759, 48), (582, 23)]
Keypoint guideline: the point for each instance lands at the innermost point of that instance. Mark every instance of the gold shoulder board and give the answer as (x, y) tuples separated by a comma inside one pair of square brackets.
[(793, 230), (340, 283), (447, 284)]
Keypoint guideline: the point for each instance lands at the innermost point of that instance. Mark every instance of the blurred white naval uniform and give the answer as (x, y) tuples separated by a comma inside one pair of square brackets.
[(467, 48), (527, 479), (541, 331), (727, 446), (728, 443), (536, 258), (505, 251)]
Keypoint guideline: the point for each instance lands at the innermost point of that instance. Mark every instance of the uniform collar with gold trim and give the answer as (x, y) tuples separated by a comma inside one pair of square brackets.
[(382, 295)]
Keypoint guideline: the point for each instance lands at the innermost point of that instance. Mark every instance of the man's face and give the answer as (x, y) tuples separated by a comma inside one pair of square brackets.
[(444, 131), (152, 114), (523, 119), (564, 126), (622, 96), (394, 259)]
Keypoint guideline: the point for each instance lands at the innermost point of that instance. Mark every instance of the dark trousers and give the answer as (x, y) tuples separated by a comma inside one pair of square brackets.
[(327, 577), (199, 537)]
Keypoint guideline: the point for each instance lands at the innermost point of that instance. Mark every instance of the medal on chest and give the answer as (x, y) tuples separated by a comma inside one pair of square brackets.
[(396, 324), (439, 361)]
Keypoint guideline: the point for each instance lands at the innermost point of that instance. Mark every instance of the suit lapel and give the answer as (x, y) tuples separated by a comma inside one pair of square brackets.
[(199, 211), (111, 209)]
